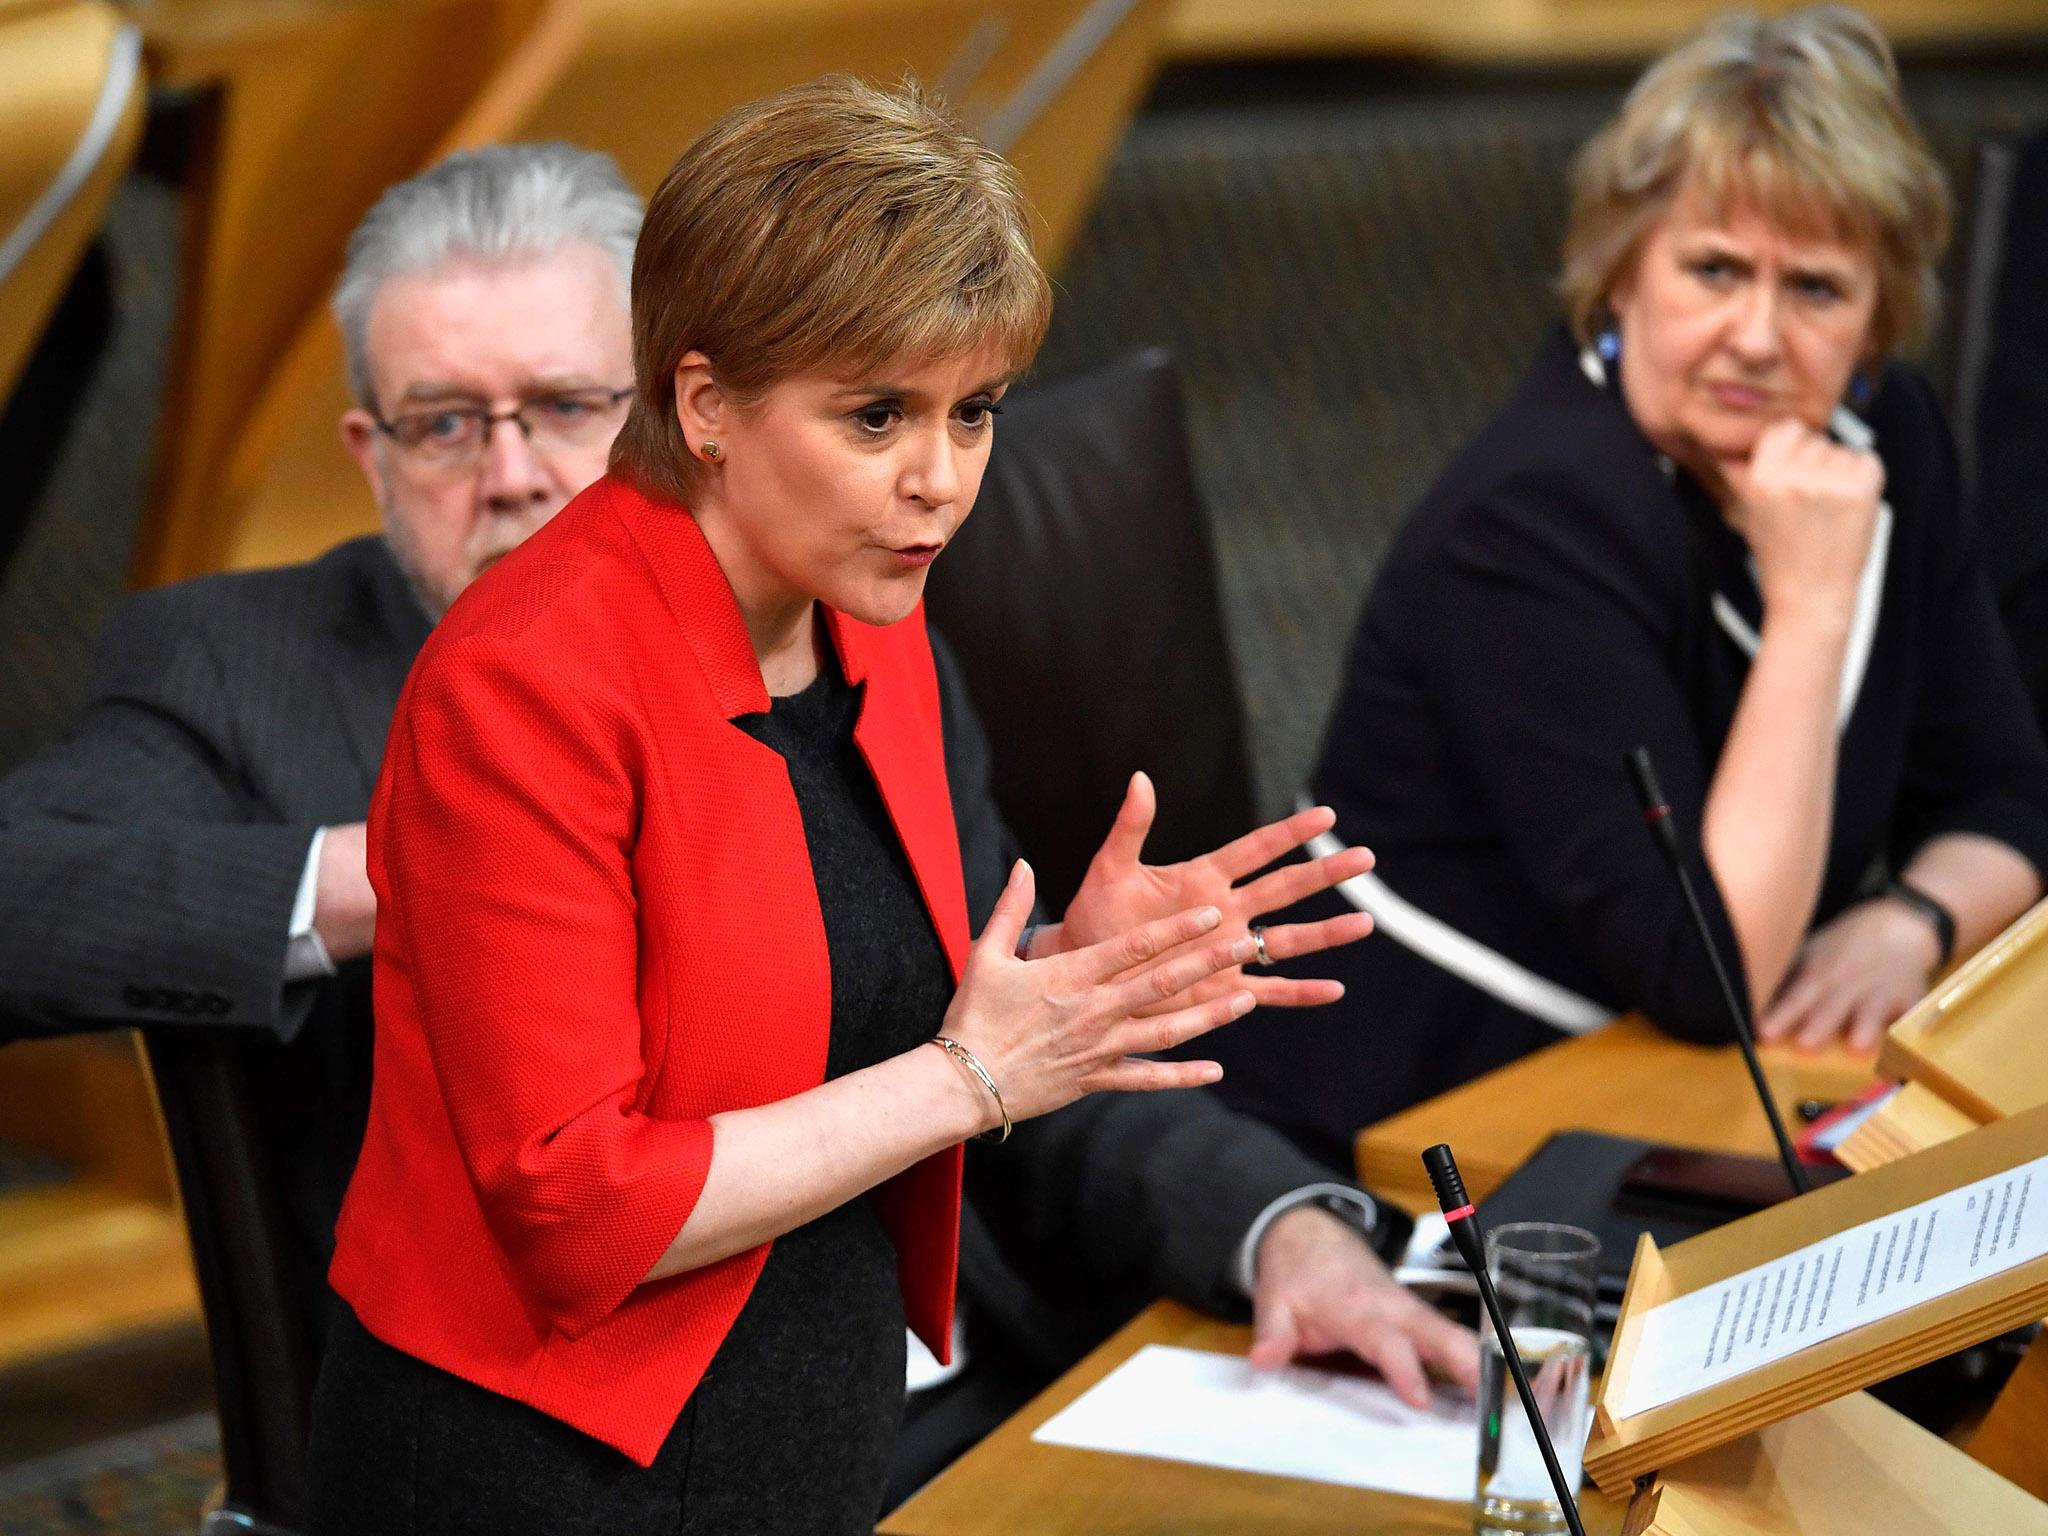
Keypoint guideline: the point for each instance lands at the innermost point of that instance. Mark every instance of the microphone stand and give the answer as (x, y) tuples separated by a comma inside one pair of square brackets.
[(1657, 817), (1464, 1225)]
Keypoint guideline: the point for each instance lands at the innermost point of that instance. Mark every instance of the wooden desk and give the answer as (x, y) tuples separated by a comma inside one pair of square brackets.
[(1625, 1080), (1012, 1485)]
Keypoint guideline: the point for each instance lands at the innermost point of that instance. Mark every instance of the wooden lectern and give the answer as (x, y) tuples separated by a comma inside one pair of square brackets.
[(1623, 1449), (1852, 1467), (1970, 1052)]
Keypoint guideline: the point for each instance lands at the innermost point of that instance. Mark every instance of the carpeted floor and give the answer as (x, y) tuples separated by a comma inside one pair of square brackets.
[(150, 1483)]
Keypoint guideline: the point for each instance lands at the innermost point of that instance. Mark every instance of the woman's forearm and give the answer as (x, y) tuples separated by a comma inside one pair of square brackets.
[(1769, 808), (777, 1166), (1983, 883)]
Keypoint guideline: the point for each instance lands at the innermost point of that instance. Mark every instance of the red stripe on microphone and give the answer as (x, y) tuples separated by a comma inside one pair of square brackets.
[(1460, 1213), (1655, 814)]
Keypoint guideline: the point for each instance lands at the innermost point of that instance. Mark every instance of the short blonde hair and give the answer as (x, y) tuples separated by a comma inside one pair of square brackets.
[(1798, 116), (830, 227)]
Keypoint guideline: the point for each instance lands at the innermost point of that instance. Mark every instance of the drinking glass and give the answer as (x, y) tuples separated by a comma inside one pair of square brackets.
[(1546, 1276)]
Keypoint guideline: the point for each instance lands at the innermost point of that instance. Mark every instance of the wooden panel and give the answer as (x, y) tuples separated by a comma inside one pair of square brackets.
[(1010, 1484), (1528, 31), (84, 1101), (1066, 152), (1914, 1118), (639, 79), (53, 63), (83, 1264), (1976, 1039), (1624, 1080), (317, 107), (1848, 1468), (2013, 1439)]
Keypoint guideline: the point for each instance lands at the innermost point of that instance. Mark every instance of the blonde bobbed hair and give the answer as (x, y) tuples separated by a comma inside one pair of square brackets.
[(1797, 117), (830, 228)]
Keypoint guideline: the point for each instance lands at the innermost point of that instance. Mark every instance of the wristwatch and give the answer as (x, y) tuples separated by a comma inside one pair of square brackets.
[(1938, 916), (1352, 1206)]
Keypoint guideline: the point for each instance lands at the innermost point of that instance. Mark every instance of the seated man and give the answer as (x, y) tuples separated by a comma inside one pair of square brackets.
[(192, 853)]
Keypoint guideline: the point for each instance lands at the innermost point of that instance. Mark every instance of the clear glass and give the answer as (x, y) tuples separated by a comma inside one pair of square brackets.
[(1546, 1276)]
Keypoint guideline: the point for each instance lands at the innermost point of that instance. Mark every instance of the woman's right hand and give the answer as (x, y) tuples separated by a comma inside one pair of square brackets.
[(1806, 506), (1050, 1031)]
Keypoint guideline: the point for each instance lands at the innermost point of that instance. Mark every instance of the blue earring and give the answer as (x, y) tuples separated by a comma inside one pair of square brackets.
[(1860, 388), (1608, 345)]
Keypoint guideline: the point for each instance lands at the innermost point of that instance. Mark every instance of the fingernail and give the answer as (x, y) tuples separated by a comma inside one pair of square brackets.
[(1241, 1005), (1209, 917), (1212, 1073), (1244, 950)]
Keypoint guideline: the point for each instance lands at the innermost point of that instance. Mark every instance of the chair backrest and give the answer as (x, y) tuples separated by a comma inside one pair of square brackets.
[(1082, 600), (260, 1305), (1990, 209)]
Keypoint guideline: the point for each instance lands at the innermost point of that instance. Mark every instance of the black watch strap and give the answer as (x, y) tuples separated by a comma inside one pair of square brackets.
[(1938, 916)]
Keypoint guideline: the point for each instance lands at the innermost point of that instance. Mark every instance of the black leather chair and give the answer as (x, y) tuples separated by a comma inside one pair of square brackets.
[(1081, 598), (261, 1309)]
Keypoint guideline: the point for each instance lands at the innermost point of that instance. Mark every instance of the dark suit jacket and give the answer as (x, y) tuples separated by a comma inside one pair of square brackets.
[(152, 854), (156, 850)]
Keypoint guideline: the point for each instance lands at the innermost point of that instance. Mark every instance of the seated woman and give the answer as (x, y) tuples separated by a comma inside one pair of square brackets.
[(1717, 520), (679, 1022)]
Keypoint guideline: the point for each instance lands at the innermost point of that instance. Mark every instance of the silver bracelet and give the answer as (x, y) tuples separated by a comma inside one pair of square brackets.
[(972, 1063)]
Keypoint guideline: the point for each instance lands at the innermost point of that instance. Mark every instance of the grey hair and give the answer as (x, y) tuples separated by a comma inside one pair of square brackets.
[(501, 202)]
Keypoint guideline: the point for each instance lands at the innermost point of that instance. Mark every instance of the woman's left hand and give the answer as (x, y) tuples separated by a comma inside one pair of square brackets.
[(1120, 891), (1853, 977)]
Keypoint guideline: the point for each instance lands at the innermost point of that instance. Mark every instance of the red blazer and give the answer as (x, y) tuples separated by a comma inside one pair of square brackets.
[(597, 926)]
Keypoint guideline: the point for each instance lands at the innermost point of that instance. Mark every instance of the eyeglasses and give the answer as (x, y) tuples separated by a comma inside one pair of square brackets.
[(454, 436)]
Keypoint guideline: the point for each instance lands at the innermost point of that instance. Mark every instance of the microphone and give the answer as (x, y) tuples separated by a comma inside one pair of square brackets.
[(1657, 817), (1464, 1225)]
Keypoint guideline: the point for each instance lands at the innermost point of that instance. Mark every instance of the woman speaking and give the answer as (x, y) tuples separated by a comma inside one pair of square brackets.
[(679, 1023), (1715, 520)]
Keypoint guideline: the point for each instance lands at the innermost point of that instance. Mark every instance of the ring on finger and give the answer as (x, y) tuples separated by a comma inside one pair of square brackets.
[(1259, 938)]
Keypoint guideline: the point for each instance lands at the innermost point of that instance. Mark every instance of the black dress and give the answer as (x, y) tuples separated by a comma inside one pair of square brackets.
[(1550, 605), (790, 1428)]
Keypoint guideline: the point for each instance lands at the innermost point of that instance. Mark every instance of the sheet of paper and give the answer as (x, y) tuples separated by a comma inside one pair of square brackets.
[(1814, 1293), (1191, 1405)]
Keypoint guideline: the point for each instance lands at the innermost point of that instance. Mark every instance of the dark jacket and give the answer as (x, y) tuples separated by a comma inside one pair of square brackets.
[(149, 858), (1549, 607)]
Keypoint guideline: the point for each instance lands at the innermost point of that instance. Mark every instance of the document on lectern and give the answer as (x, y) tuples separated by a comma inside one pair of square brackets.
[(1857, 1276)]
